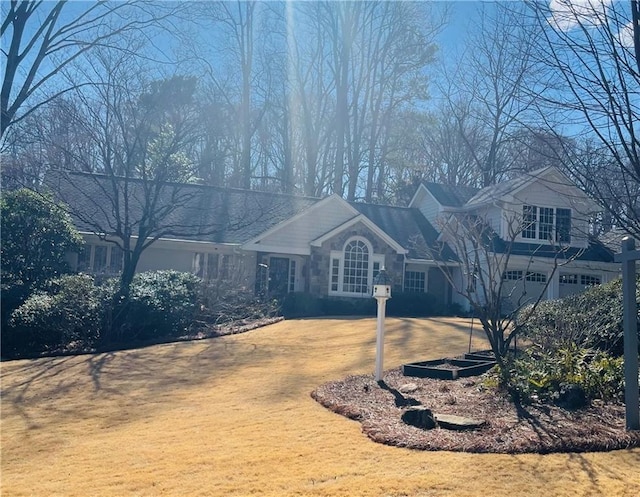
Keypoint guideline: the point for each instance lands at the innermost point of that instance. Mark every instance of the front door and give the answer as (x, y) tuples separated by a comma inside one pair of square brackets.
[(278, 276)]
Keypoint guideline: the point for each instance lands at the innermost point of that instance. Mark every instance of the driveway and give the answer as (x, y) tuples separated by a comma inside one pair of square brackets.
[(233, 416)]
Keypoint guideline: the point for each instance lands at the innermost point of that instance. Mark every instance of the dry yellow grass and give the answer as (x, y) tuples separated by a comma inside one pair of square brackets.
[(233, 416)]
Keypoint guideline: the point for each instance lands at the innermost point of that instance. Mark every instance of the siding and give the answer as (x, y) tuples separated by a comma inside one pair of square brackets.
[(428, 206), (298, 234), (546, 194)]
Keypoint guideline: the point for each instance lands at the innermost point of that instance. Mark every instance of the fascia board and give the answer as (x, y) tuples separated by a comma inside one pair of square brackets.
[(259, 247)]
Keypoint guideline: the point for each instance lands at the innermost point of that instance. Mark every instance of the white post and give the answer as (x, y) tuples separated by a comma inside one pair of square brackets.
[(629, 318), (382, 303), (553, 290)]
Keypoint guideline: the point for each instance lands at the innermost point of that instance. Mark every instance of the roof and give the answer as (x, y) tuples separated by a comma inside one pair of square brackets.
[(409, 228), (191, 212), (451, 195), (498, 191), (613, 239), (595, 252)]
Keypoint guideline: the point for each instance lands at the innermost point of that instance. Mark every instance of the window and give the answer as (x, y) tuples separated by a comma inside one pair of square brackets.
[(356, 267), (569, 279), (292, 276), (116, 262), (529, 218), (589, 280), (352, 270), (84, 259), (536, 277), (205, 266), (414, 281), (335, 274), (546, 223), (100, 259), (376, 268), (512, 275), (225, 267), (563, 225)]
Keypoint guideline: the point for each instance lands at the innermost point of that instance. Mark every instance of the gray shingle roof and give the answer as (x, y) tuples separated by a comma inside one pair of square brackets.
[(451, 195), (409, 228), (192, 212)]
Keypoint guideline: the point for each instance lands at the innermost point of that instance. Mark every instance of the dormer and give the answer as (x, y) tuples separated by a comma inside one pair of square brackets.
[(543, 206)]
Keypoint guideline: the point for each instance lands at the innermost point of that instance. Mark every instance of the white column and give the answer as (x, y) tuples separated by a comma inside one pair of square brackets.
[(553, 290)]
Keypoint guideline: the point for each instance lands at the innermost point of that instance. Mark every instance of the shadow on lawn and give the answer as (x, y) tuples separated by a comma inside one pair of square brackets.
[(69, 387)]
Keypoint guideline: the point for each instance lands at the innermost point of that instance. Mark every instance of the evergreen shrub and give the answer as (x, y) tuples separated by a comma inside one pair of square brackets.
[(591, 319), (65, 316)]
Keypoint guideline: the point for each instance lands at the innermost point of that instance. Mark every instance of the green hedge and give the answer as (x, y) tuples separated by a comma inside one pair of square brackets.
[(162, 304), (401, 304), (65, 316), (73, 314), (591, 319)]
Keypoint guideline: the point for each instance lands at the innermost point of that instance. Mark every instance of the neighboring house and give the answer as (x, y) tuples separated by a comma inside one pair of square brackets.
[(277, 244)]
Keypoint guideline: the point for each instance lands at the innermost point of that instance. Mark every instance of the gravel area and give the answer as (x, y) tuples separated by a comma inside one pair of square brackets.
[(509, 428)]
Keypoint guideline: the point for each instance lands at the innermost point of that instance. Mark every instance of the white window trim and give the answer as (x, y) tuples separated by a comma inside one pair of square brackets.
[(91, 248), (426, 280), (554, 227), (339, 255)]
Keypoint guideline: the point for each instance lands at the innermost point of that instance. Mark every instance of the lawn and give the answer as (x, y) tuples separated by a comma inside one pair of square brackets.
[(233, 416)]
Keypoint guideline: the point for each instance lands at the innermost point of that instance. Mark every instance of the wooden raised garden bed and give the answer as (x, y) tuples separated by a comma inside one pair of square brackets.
[(448, 369)]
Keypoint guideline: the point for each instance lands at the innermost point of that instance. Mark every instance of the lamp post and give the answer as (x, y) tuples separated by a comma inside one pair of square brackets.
[(382, 293)]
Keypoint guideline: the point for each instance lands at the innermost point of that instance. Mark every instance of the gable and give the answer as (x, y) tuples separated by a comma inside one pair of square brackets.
[(294, 235), (358, 227), (547, 186)]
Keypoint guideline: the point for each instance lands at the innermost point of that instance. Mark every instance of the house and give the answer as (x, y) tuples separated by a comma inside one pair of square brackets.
[(277, 244)]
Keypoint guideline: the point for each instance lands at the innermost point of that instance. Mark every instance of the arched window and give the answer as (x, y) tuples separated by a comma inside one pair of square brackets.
[(353, 268), (356, 267)]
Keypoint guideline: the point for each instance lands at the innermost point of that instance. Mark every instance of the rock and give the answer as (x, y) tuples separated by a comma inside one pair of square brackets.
[(572, 397), (408, 388), (452, 422), (420, 417)]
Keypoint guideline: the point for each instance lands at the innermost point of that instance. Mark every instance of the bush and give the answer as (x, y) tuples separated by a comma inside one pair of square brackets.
[(161, 304), (65, 316), (413, 304), (570, 376), (222, 304), (36, 234), (408, 304), (300, 304), (336, 306), (592, 319)]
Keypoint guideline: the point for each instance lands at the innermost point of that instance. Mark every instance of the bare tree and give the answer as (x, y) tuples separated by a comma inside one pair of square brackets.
[(484, 276), (487, 93), (137, 139), (41, 39), (590, 51)]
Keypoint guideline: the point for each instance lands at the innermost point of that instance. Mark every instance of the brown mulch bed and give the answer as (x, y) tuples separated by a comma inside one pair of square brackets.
[(510, 428), (233, 328)]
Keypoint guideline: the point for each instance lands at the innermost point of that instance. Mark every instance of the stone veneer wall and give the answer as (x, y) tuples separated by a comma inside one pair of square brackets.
[(321, 258)]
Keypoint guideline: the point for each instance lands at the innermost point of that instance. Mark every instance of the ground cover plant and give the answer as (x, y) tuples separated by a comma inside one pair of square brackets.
[(233, 416)]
